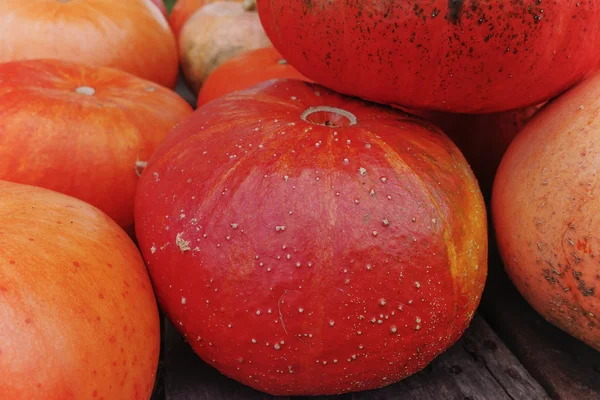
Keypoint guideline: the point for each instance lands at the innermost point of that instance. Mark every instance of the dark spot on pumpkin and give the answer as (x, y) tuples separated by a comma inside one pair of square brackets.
[(100, 295), (75, 263), (28, 321), (12, 262), (94, 393), (455, 10)]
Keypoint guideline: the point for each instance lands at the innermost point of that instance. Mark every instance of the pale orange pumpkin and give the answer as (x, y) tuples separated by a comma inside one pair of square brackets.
[(131, 35)]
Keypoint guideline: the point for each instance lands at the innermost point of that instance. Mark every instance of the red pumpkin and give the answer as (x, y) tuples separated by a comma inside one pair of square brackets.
[(466, 56), (482, 138), (307, 243), (129, 35), (161, 6), (244, 71), (79, 317), (83, 131), (183, 10), (545, 210)]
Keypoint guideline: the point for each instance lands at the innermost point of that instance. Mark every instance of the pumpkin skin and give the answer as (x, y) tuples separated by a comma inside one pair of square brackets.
[(80, 320), (183, 10), (468, 56), (132, 35), (545, 211), (482, 138), (90, 144), (278, 244), (244, 71), (216, 33), (161, 6)]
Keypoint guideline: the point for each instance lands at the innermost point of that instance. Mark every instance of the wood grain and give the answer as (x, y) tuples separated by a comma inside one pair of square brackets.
[(478, 366)]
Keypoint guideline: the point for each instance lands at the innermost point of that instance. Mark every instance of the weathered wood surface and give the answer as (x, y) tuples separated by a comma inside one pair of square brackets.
[(477, 367), (564, 366)]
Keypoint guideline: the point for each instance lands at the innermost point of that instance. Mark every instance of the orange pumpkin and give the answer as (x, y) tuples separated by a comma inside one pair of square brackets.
[(84, 131), (183, 10), (246, 70), (79, 317), (131, 35)]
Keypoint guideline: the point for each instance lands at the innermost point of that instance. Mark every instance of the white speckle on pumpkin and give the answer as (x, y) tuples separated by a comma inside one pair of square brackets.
[(279, 228), (184, 245), (86, 90), (234, 225), (362, 171), (183, 300), (153, 249)]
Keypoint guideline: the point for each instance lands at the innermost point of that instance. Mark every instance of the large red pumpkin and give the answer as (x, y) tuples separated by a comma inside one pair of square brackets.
[(130, 35), (244, 71), (78, 315), (307, 243), (545, 209), (83, 131), (459, 56)]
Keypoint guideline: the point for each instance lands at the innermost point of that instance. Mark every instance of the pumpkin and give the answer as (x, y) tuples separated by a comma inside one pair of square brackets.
[(457, 56), (216, 33), (162, 7), (482, 138), (244, 71), (79, 317), (183, 10), (307, 243), (545, 211), (131, 35), (83, 131)]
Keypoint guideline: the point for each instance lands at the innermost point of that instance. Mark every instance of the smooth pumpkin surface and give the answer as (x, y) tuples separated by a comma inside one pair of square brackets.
[(545, 211), (183, 10), (482, 138), (216, 33), (78, 315), (244, 71), (83, 131), (308, 243), (131, 35), (465, 56), (162, 7)]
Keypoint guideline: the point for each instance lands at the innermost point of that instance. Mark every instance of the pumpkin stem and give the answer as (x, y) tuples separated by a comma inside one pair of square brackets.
[(328, 116), (249, 5)]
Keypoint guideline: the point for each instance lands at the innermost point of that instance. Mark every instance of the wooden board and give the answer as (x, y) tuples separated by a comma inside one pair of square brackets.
[(564, 366), (479, 366)]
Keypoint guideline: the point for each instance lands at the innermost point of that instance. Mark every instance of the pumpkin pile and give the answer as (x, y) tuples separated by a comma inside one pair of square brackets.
[(319, 223)]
